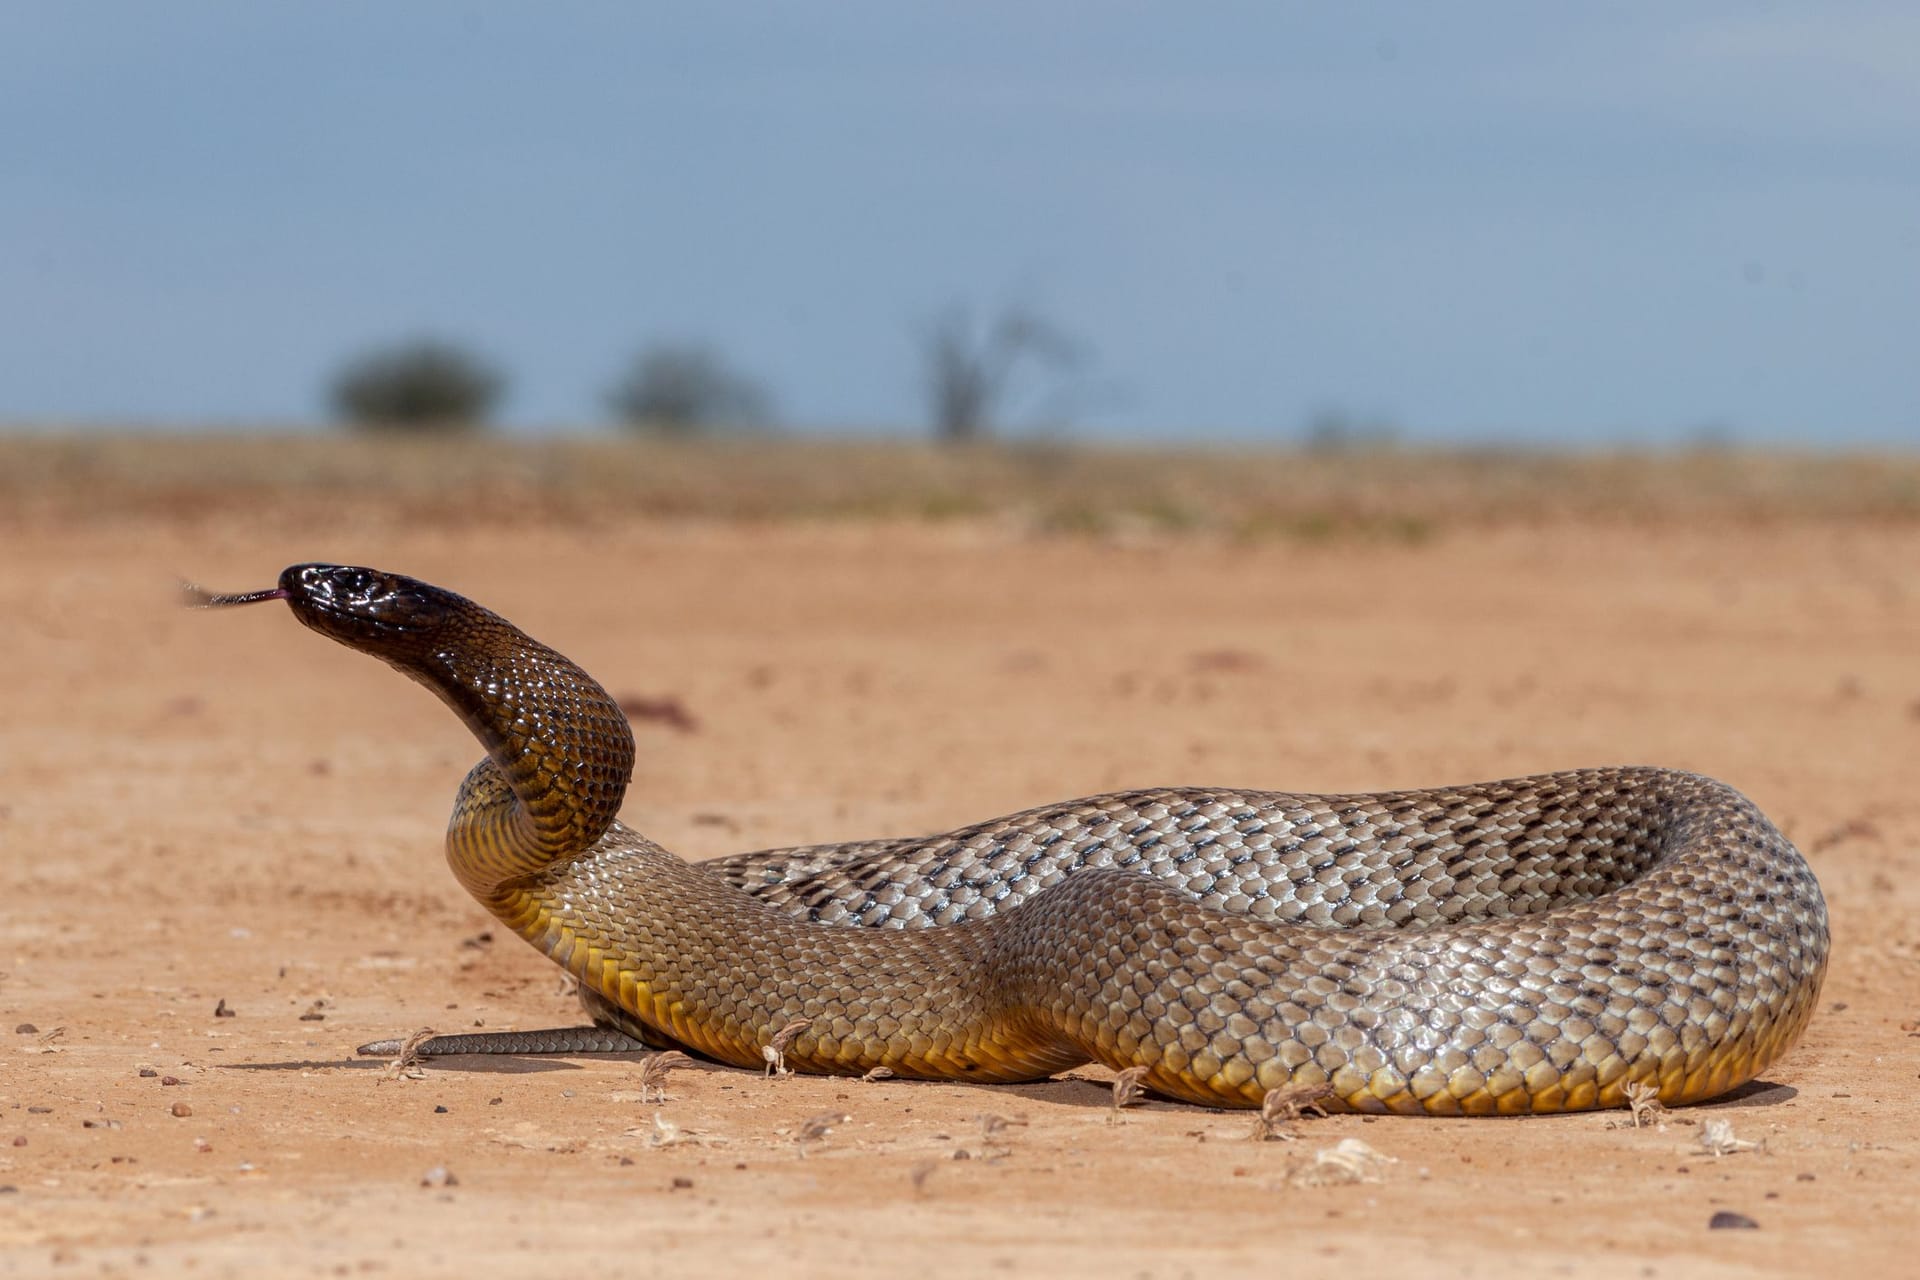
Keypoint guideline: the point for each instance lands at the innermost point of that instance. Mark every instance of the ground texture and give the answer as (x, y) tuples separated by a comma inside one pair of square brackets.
[(206, 815)]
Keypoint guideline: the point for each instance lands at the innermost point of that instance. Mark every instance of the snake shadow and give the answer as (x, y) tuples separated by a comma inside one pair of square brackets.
[(1754, 1093), (1096, 1094), (1082, 1092), (1061, 1091)]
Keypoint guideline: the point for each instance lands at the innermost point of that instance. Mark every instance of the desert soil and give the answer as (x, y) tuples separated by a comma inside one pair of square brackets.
[(205, 812)]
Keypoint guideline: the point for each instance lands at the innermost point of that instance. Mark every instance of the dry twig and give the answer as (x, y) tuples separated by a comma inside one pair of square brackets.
[(993, 1128), (665, 1133), (816, 1128), (43, 1040)]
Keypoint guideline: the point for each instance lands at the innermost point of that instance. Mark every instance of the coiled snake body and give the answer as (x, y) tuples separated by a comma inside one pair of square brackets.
[(1528, 945)]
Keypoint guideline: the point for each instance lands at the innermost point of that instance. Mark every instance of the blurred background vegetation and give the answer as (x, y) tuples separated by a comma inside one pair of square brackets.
[(1393, 494), (1294, 271), (424, 384)]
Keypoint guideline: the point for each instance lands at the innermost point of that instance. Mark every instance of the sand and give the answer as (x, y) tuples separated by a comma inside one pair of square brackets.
[(206, 815)]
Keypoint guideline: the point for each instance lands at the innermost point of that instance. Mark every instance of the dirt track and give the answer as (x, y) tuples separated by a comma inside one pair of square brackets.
[(201, 808)]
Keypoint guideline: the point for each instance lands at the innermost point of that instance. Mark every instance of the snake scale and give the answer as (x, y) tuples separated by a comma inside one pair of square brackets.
[(1531, 945)]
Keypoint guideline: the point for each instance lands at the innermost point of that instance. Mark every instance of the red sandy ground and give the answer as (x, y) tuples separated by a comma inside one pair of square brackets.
[(199, 808)]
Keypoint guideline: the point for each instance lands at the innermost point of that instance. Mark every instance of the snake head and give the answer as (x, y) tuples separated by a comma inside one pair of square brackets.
[(386, 614)]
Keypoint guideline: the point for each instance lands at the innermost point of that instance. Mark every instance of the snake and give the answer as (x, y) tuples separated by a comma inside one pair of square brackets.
[(1562, 942)]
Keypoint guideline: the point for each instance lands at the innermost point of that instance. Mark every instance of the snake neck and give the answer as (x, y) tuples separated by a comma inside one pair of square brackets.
[(559, 753), (492, 838)]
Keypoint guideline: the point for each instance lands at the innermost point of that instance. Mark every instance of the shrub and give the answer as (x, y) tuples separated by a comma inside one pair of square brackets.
[(683, 388), (422, 385)]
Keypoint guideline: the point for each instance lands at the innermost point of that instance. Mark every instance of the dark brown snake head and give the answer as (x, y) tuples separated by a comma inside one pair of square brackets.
[(385, 614), (388, 615)]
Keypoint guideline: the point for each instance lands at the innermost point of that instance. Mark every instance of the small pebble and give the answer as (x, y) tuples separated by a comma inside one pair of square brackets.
[(26, 1029), (682, 1184), (1727, 1220), (20, 1141), (181, 1109), (221, 1011), (439, 1111), (439, 1176), (169, 1079), (148, 1073)]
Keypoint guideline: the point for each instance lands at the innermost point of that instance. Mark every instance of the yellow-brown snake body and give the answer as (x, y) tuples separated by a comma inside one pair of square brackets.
[(1529, 945)]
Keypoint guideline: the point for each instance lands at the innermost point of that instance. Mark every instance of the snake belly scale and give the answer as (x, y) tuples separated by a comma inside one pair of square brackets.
[(1531, 945)]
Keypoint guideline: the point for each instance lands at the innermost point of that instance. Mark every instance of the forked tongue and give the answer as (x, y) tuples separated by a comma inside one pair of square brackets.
[(195, 596)]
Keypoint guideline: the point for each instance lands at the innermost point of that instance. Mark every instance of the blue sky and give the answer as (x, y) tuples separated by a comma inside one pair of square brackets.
[(1481, 222)]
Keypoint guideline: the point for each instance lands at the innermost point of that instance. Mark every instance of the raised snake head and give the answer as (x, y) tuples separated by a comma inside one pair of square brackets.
[(388, 615)]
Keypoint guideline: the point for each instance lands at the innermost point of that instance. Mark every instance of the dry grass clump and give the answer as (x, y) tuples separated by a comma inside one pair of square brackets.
[(1717, 1138), (815, 1130), (1643, 1100), (994, 1138), (1393, 495), (654, 1071), (1345, 1162), (1283, 1107), (775, 1050), (1129, 1088), (409, 1063)]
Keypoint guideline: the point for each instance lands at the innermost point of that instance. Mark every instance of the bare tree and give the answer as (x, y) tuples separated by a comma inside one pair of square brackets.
[(685, 387), (969, 369), (1334, 430), (425, 384)]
